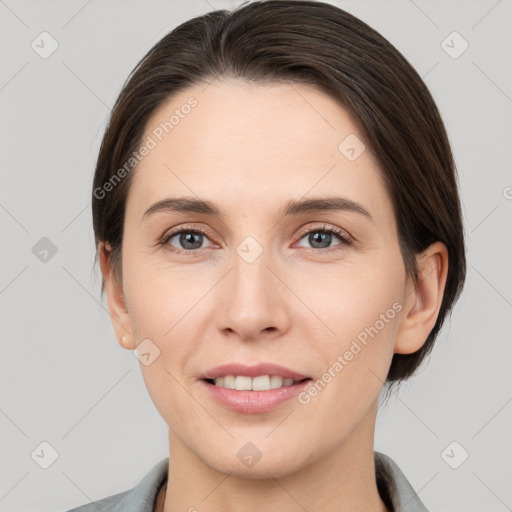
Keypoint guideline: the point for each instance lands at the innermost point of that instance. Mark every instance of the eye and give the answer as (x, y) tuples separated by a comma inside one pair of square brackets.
[(188, 239), (322, 237)]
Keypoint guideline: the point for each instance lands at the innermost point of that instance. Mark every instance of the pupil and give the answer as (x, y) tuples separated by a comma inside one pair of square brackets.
[(317, 238), (187, 239)]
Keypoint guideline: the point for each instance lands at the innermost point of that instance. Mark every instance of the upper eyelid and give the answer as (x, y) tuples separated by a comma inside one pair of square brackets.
[(325, 227), (189, 228)]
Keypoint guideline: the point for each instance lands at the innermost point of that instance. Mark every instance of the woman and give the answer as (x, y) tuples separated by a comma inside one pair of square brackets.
[(278, 226)]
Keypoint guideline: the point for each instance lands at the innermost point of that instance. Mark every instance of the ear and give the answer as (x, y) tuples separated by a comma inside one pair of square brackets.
[(115, 297), (423, 300)]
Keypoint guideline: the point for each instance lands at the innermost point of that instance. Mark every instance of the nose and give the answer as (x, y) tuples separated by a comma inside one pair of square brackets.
[(252, 301)]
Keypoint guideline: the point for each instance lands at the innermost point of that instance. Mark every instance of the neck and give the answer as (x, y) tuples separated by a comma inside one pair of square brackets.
[(341, 480)]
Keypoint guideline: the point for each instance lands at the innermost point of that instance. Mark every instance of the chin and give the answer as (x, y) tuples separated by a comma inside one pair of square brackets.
[(249, 463)]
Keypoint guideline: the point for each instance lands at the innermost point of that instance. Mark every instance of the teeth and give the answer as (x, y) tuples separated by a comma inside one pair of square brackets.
[(276, 381), (229, 382), (243, 383), (260, 383)]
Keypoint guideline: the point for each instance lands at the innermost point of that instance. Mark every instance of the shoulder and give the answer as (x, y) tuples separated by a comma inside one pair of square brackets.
[(141, 498), (106, 504), (395, 489)]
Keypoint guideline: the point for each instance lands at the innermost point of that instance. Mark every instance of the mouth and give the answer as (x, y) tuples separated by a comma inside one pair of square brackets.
[(258, 383), (253, 389)]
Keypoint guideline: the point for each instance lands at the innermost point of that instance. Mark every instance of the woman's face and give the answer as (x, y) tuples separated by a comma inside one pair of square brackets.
[(256, 287)]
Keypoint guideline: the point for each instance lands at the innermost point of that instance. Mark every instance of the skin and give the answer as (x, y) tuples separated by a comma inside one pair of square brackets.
[(250, 149)]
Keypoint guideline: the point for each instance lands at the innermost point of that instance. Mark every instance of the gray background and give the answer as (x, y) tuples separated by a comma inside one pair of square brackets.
[(65, 380)]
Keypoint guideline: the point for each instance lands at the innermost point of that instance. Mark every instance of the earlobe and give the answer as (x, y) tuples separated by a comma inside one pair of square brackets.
[(423, 300), (116, 301)]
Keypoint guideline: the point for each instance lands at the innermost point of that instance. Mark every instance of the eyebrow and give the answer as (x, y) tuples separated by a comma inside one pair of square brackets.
[(292, 208)]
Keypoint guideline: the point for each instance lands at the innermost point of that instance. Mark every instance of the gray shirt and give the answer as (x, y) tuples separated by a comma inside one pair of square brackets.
[(142, 498)]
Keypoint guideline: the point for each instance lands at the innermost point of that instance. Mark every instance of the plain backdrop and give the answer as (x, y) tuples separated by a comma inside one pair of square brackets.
[(64, 379)]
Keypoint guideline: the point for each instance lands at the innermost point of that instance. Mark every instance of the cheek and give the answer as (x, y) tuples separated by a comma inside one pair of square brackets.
[(358, 310), (350, 298), (160, 294), (167, 314), (354, 362), (164, 310)]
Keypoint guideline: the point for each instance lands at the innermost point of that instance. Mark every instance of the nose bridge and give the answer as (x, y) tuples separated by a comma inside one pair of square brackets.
[(252, 280), (251, 301)]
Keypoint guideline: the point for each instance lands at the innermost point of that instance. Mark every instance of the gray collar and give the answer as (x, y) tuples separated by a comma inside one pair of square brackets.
[(403, 497), (142, 498)]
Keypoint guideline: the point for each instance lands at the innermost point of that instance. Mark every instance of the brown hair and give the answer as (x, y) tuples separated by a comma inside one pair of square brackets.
[(315, 43)]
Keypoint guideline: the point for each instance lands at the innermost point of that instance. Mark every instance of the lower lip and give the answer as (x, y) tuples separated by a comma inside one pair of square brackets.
[(252, 402)]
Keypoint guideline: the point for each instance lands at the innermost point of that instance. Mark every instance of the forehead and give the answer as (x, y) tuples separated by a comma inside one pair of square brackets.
[(234, 140)]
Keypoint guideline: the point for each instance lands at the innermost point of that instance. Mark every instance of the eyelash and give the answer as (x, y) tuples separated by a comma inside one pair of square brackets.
[(345, 240)]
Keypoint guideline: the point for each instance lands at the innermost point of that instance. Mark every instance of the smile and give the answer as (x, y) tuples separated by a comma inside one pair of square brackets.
[(259, 383)]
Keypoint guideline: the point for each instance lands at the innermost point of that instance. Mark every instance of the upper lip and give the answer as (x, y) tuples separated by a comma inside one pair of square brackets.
[(252, 371)]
